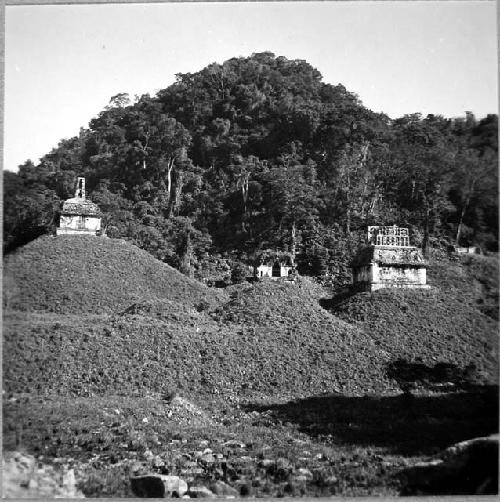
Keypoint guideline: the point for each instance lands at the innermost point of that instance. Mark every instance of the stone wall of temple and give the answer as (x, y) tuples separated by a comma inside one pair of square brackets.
[(373, 276), (76, 224), (388, 261), (399, 276), (267, 271)]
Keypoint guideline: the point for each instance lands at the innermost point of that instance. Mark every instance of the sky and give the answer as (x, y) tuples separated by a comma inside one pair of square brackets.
[(64, 62)]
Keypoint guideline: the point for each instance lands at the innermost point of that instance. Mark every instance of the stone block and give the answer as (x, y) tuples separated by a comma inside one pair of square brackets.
[(158, 486)]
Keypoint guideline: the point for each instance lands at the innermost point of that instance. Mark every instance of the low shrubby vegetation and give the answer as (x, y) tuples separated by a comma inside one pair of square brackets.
[(470, 279), (86, 275), (425, 326), (272, 388)]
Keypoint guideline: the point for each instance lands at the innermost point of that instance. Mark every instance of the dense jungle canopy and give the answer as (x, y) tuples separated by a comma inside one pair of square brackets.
[(258, 154)]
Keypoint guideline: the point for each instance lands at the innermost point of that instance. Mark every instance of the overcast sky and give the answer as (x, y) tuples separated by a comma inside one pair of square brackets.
[(63, 63)]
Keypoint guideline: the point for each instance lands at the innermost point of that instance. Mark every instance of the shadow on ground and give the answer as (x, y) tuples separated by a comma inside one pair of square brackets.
[(330, 304), (404, 424), (442, 375)]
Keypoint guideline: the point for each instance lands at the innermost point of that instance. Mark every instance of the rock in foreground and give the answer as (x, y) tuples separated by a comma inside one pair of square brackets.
[(24, 477), (467, 468)]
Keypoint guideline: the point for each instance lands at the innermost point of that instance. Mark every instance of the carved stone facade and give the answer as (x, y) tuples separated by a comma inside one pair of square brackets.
[(389, 261), (79, 216), (388, 236)]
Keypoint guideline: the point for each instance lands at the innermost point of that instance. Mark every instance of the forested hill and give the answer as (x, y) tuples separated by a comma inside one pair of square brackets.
[(260, 154)]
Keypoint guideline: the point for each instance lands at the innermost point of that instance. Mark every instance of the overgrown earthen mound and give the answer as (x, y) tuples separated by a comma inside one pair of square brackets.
[(430, 327), (472, 279), (132, 324), (77, 274), (271, 340)]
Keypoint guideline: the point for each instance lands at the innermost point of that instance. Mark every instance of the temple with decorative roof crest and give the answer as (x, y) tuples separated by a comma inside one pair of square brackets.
[(389, 261), (79, 216)]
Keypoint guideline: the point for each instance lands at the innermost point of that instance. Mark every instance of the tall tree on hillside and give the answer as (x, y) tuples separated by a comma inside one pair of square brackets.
[(473, 176), (424, 156), (292, 201), (352, 179), (30, 208), (117, 210), (258, 152), (158, 142)]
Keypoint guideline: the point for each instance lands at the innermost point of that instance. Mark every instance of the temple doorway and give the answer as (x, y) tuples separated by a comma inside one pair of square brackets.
[(276, 269)]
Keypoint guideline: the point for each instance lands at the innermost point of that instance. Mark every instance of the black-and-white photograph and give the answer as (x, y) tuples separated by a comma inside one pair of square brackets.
[(250, 249)]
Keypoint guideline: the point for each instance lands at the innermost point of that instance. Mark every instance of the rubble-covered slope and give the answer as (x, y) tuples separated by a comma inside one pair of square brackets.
[(76, 274), (292, 348), (125, 323), (471, 279), (428, 327)]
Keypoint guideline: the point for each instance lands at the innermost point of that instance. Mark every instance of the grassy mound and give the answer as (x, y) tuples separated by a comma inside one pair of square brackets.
[(472, 278), (153, 329), (276, 302), (130, 354), (110, 356), (268, 340), (428, 327), (106, 317), (77, 274), (271, 340)]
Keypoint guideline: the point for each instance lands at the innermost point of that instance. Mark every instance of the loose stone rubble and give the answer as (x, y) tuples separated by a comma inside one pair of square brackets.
[(24, 477)]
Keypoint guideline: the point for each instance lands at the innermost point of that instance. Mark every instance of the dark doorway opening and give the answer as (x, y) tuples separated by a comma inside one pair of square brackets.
[(276, 269)]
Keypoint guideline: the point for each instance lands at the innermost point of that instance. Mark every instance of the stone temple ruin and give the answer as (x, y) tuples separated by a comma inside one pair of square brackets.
[(79, 215), (388, 261), (273, 269)]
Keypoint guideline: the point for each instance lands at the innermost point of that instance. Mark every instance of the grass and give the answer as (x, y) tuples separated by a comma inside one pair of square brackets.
[(260, 460), (81, 274), (473, 278), (426, 326), (346, 445), (80, 355), (100, 338), (401, 424)]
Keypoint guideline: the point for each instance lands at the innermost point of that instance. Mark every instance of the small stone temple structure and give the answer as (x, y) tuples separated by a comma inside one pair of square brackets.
[(464, 250), (273, 269), (388, 261), (79, 215)]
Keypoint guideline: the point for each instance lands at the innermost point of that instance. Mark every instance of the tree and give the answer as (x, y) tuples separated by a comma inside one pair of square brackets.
[(472, 177), (259, 153), (352, 179), (29, 211), (423, 153), (292, 201), (239, 273), (117, 210)]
